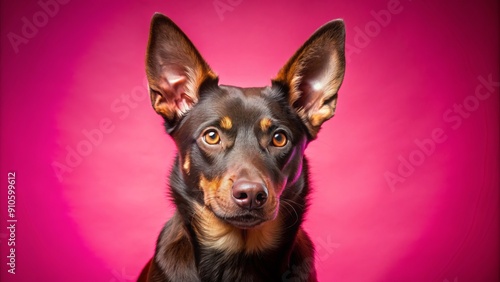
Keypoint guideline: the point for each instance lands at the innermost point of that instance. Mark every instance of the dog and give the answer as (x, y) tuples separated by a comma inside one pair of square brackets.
[(240, 178)]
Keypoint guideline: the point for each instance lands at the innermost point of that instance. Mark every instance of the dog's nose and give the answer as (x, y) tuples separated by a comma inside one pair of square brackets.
[(249, 195)]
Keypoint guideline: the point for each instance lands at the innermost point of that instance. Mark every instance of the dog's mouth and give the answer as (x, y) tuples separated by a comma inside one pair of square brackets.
[(245, 221)]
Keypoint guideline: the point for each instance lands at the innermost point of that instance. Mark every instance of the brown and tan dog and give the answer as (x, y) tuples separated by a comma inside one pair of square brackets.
[(240, 178)]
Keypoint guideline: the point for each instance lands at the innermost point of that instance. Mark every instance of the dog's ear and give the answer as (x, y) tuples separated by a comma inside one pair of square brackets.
[(314, 74), (175, 70)]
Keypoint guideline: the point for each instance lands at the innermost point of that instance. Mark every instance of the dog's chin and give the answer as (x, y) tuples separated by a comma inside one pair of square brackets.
[(245, 221)]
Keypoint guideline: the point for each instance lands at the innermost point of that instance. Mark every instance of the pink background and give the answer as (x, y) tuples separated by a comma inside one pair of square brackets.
[(439, 221)]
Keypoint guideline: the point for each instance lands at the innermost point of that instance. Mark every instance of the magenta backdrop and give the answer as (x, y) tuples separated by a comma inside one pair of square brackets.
[(406, 175)]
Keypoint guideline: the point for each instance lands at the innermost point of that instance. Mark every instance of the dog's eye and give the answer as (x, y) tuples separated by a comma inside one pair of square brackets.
[(279, 139), (211, 137)]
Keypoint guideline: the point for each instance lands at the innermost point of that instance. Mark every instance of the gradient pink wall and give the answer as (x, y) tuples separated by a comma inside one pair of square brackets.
[(405, 175)]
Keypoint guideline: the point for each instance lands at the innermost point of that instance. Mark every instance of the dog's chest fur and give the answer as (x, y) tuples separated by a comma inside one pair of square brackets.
[(283, 262)]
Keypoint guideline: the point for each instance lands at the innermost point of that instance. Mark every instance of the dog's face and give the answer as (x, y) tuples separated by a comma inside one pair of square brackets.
[(241, 149)]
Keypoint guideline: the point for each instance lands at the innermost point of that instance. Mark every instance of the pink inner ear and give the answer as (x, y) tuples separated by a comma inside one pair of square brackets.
[(185, 103), (311, 93), (316, 79), (174, 84), (319, 81)]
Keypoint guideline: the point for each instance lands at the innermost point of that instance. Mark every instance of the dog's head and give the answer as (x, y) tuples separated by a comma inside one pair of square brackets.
[(240, 149)]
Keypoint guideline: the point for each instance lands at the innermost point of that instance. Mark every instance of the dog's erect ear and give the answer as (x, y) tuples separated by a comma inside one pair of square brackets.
[(175, 70), (314, 75)]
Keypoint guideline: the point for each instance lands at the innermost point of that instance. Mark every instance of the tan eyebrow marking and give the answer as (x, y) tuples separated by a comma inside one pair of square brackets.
[(265, 124), (226, 123)]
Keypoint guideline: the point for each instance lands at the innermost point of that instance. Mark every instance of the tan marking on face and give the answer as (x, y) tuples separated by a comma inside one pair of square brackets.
[(215, 233), (216, 194), (187, 163), (226, 123), (265, 124), (209, 185)]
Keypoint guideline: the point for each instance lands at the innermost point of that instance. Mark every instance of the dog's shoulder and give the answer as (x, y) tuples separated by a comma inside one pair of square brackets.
[(174, 259)]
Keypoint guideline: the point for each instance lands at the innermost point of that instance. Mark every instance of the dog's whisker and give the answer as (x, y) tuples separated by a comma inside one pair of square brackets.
[(290, 208)]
